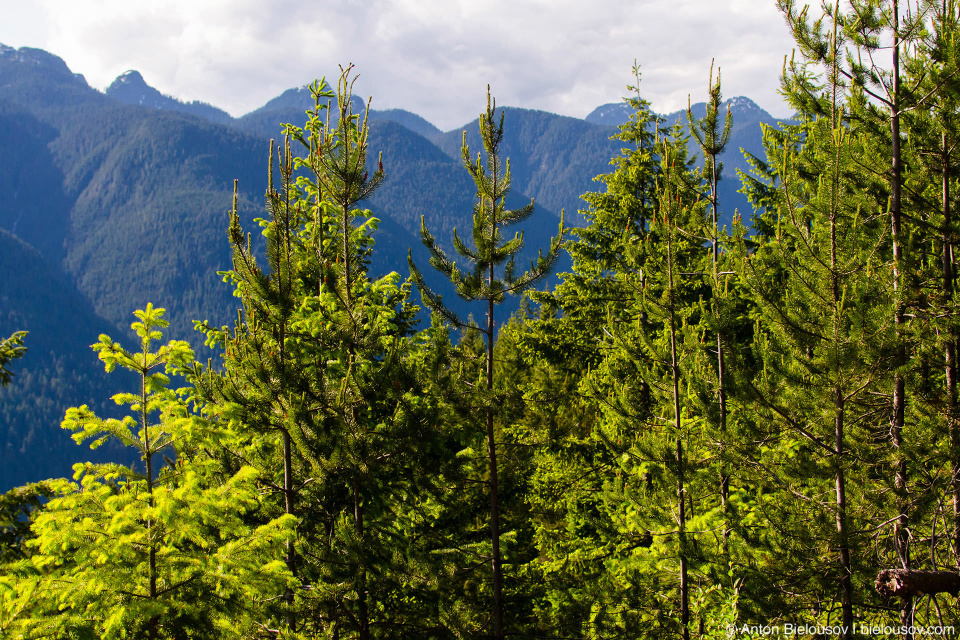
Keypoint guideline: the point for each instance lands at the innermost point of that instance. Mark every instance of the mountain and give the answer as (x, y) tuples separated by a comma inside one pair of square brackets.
[(411, 121), (553, 158), (59, 369), (104, 207), (112, 205), (112, 200), (612, 114), (130, 88), (290, 106)]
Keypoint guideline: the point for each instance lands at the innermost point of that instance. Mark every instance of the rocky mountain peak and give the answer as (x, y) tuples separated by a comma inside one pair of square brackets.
[(130, 78)]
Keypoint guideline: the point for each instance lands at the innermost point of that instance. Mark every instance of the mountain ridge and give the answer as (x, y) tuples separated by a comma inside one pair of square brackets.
[(125, 202)]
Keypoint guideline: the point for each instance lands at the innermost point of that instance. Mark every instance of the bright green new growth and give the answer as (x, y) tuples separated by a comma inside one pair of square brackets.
[(147, 553), (10, 349), (490, 217)]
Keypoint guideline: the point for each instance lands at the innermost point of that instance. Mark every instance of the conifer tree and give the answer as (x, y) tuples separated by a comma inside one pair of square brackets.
[(933, 133), (712, 140), (878, 101), (10, 349), (634, 464), (154, 552), (482, 284), (318, 375), (823, 333), (642, 387)]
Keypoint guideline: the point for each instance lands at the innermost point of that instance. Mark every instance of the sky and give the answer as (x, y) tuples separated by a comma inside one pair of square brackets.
[(432, 57)]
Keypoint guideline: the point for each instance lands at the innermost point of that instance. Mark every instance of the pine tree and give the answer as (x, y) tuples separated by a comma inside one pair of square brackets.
[(320, 377), (933, 134), (482, 284), (642, 390), (823, 332), (712, 140), (624, 489), (878, 101)]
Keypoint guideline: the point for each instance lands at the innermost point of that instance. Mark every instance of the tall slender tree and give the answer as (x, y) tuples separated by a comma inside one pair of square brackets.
[(712, 139), (316, 373), (824, 330), (483, 284)]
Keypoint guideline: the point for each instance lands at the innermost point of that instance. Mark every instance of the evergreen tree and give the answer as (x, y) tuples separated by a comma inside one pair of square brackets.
[(878, 100), (712, 139), (632, 468), (10, 349), (821, 338), (157, 553), (933, 134), (320, 378), (641, 388), (490, 217)]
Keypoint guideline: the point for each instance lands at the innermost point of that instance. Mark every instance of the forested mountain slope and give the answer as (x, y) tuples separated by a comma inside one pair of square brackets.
[(127, 204), (125, 195), (59, 370)]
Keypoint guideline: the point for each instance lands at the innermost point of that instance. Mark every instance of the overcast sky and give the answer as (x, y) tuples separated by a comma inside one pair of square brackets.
[(432, 57)]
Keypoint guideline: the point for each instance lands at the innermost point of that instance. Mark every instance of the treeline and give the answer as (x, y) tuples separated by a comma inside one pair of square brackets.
[(697, 428)]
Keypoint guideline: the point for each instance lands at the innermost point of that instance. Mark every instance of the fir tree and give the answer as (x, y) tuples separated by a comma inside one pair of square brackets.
[(319, 376)]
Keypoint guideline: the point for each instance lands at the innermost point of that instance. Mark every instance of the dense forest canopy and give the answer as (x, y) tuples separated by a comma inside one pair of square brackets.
[(697, 430)]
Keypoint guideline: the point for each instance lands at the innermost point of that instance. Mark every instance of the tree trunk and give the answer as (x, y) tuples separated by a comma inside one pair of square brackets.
[(492, 449), (904, 583), (362, 605), (681, 492), (901, 532), (951, 346), (846, 586)]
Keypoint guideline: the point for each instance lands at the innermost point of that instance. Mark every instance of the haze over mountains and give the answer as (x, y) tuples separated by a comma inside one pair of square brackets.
[(112, 200)]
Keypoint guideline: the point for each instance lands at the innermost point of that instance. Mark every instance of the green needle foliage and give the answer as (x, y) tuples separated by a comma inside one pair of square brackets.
[(10, 349), (482, 283), (320, 382), (137, 551)]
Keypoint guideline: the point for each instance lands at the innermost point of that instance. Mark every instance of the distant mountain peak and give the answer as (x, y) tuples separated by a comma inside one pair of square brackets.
[(42, 60), (742, 108), (612, 114), (131, 88), (131, 77), (742, 104)]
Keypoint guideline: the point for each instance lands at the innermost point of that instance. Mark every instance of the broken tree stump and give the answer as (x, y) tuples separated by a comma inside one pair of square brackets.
[(904, 583)]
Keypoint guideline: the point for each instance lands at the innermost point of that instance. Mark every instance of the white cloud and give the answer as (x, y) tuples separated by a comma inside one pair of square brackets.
[(433, 57)]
